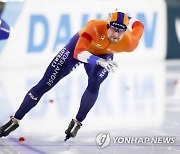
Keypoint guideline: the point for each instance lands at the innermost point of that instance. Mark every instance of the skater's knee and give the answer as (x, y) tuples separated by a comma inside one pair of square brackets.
[(36, 93), (94, 90), (97, 79), (95, 82), (93, 87), (41, 88)]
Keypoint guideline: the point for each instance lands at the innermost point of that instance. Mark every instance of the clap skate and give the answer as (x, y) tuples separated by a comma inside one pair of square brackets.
[(10, 126), (73, 128)]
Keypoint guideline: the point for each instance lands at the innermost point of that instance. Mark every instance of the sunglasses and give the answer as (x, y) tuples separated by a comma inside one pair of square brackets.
[(115, 29)]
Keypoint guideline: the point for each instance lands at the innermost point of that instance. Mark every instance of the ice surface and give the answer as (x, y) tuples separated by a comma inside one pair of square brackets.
[(137, 101)]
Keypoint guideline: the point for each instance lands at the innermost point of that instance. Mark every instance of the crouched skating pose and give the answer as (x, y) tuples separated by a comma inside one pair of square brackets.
[(93, 46)]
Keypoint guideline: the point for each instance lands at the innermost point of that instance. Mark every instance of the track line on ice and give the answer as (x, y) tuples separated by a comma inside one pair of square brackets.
[(26, 146)]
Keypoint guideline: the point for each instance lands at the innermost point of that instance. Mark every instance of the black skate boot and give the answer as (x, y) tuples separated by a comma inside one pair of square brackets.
[(8, 127), (73, 128)]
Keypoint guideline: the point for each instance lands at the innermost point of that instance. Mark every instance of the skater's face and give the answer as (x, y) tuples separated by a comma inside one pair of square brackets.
[(115, 34)]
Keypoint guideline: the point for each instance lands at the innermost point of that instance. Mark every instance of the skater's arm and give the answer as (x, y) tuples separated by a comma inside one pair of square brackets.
[(85, 56), (136, 29), (86, 37), (81, 50), (81, 53)]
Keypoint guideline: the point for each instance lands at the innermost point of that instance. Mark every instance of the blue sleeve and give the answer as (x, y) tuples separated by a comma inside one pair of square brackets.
[(93, 59), (4, 30)]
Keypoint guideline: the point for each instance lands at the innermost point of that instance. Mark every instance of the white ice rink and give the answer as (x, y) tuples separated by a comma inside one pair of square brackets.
[(140, 100)]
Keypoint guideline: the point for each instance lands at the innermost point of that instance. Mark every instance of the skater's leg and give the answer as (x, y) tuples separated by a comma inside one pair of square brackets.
[(91, 93), (87, 101), (96, 75), (60, 66)]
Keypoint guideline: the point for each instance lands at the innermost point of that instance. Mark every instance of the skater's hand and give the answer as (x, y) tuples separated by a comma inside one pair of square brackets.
[(109, 65)]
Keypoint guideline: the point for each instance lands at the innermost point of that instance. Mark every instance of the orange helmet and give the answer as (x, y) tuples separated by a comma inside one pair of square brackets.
[(119, 20)]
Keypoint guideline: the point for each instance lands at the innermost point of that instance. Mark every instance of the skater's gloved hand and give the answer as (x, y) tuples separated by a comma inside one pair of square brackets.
[(109, 65)]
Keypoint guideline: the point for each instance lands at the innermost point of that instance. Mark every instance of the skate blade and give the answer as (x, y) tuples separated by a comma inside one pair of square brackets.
[(67, 137)]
